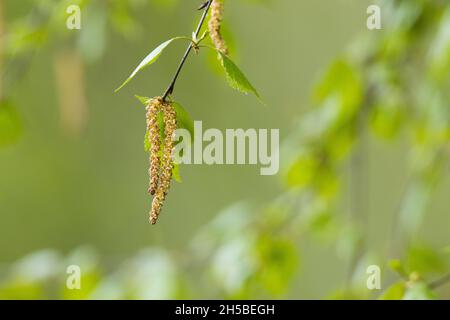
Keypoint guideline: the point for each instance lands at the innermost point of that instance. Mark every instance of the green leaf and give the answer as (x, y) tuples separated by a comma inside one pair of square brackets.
[(419, 291), (302, 171), (176, 173), (397, 266), (340, 89), (423, 259), (236, 79), (280, 260), (10, 126), (184, 119), (394, 292), (144, 100), (387, 118), (148, 60)]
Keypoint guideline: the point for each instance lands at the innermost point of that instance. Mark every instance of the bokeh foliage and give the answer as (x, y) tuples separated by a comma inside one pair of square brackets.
[(392, 85)]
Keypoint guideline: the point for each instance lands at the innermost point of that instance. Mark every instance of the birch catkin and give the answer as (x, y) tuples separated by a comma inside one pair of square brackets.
[(153, 108), (166, 167), (215, 25)]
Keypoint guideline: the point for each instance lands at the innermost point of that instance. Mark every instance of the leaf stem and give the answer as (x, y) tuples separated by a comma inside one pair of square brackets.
[(188, 51)]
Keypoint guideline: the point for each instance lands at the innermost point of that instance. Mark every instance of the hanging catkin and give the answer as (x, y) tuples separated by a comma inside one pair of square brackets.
[(215, 25), (165, 177), (153, 108)]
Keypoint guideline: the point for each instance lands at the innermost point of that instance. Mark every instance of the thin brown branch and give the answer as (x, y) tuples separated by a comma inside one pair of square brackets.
[(171, 86)]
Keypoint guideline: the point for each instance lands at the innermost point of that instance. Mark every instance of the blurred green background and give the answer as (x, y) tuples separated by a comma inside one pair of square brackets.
[(364, 120)]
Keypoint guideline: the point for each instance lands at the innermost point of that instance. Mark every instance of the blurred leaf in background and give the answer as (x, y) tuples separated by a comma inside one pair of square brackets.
[(327, 223), (10, 123)]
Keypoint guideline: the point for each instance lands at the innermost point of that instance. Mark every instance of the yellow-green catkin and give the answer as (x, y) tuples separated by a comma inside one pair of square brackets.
[(215, 25), (170, 126), (153, 108)]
